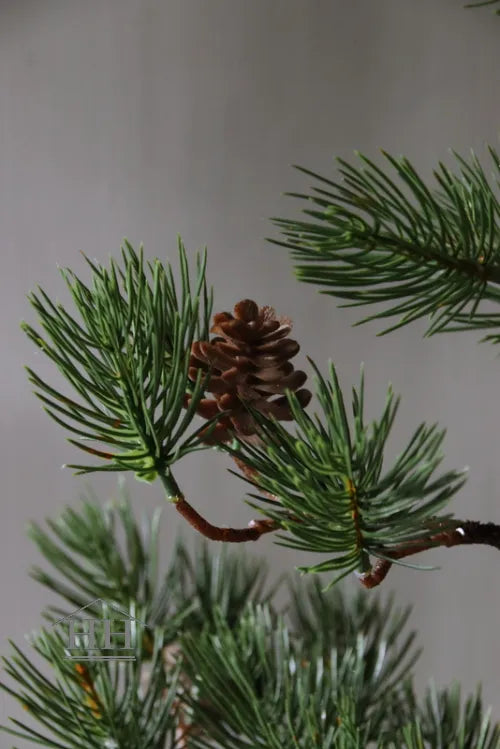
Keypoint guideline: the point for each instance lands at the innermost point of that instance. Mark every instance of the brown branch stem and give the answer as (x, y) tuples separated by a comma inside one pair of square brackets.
[(462, 533), (254, 530), (466, 532)]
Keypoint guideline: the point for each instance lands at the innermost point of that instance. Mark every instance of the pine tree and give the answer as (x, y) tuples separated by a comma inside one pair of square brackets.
[(212, 659)]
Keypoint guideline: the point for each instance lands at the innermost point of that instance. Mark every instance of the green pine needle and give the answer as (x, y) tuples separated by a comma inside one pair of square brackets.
[(117, 710), (334, 496), (335, 674), (382, 236), (126, 357)]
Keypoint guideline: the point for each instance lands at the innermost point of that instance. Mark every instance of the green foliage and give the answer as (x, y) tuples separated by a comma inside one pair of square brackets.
[(106, 707), (214, 658), (334, 497), (441, 720), (103, 553), (419, 251), (281, 695), (98, 552), (221, 660), (219, 581), (326, 620), (286, 694), (448, 723), (127, 359)]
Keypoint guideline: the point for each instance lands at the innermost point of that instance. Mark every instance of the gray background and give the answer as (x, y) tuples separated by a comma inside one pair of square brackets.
[(149, 119)]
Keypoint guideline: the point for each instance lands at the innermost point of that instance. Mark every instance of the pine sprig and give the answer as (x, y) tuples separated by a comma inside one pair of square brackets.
[(332, 495), (235, 675), (419, 251), (127, 359), (102, 552), (442, 720), (449, 723), (219, 580), (330, 620), (85, 549), (287, 695), (280, 697), (93, 704)]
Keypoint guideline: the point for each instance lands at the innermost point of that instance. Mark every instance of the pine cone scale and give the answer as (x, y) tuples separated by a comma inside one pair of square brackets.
[(213, 355), (266, 360), (292, 382), (273, 373), (280, 409), (280, 332), (217, 386), (279, 347)]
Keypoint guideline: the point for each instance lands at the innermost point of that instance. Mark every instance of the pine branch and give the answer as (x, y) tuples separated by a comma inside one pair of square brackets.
[(339, 678), (254, 530), (442, 721), (419, 251), (86, 551), (222, 580), (127, 359), (280, 695), (324, 489), (93, 702), (330, 620), (287, 695), (333, 496), (84, 547), (469, 532)]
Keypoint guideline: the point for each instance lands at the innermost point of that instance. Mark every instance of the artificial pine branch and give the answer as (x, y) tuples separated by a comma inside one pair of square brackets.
[(335, 672), (143, 361), (125, 356), (285, 694), (420, 251), (334, 494), (95, 704), (129, 358)]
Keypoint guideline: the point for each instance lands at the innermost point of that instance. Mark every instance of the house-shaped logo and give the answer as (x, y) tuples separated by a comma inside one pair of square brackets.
[(100, 631)]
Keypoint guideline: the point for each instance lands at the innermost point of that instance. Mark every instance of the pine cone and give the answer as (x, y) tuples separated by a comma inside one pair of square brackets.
[(249, 361)]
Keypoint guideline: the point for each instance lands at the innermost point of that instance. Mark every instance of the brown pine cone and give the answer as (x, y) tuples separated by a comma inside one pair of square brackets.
[(249, 360)]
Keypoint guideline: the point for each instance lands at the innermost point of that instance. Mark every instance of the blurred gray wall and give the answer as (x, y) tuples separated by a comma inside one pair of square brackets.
[(149, 119)]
